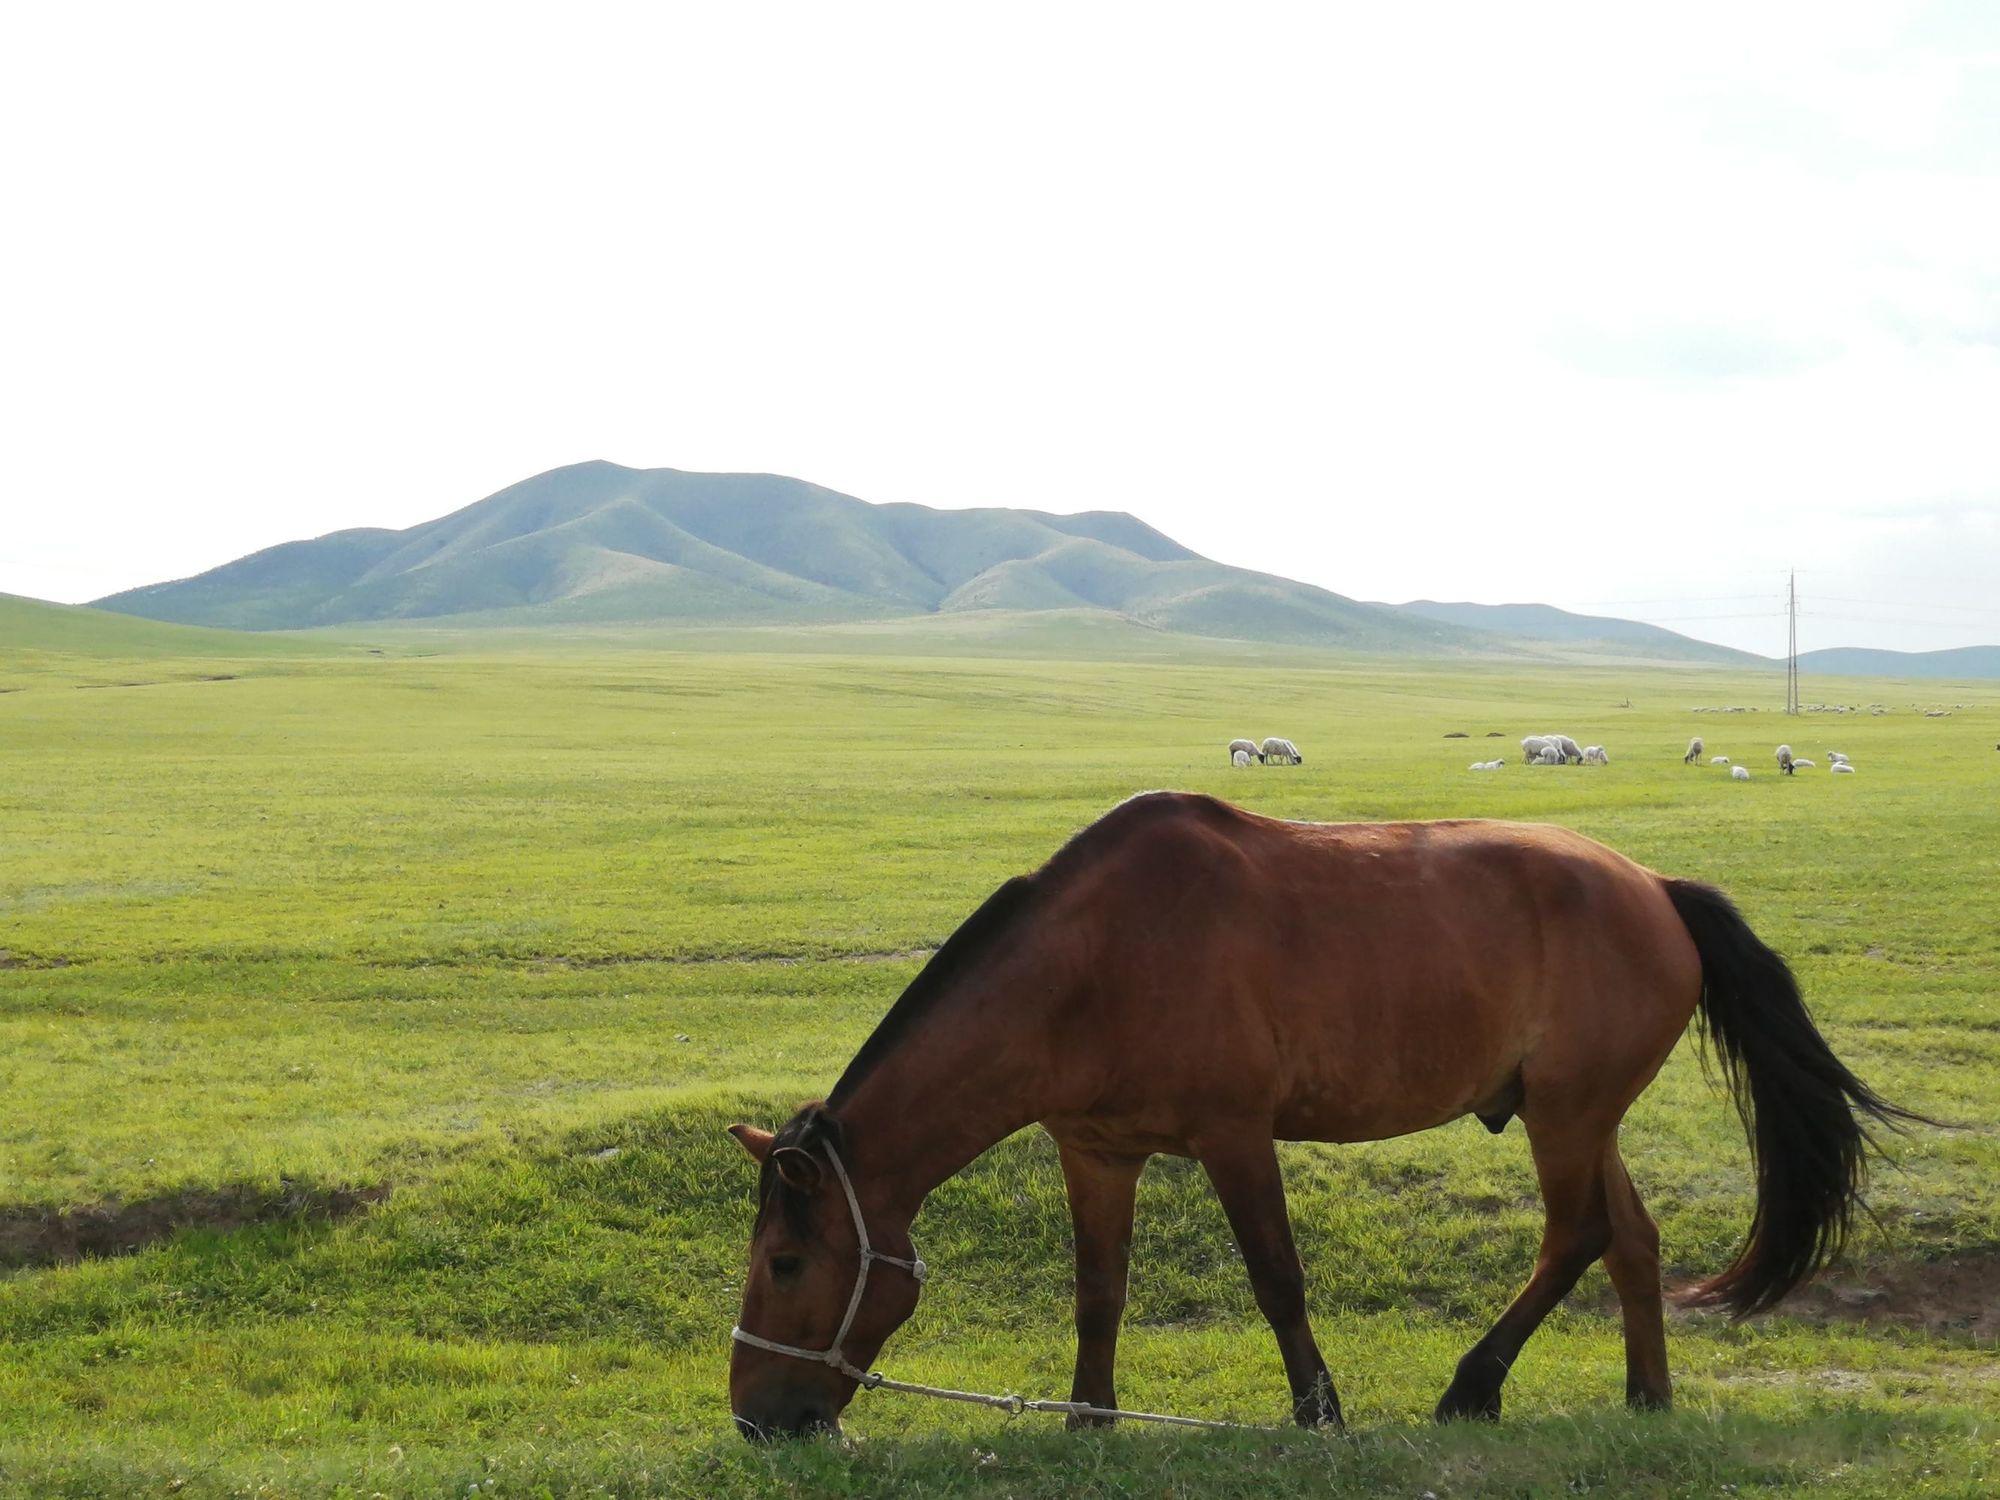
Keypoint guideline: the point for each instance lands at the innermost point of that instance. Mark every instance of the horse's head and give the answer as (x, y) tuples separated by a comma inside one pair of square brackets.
[(805, 1261)]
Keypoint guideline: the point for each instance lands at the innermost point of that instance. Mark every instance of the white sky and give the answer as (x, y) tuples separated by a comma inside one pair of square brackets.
[(1627, 309)]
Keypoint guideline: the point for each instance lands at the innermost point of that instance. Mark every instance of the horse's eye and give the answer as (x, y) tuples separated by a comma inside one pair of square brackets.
[(784, 1265)]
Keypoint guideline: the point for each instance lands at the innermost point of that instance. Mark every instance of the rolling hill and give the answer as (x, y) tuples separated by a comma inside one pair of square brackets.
[(1544, 622), (39, 627), (1965, 663), (600, 543)]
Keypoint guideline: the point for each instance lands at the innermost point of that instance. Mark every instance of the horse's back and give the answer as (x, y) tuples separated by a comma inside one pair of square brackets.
[(1369, 979)]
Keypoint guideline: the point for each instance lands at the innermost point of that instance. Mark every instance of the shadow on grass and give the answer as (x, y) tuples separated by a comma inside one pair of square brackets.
[(37, 1237)]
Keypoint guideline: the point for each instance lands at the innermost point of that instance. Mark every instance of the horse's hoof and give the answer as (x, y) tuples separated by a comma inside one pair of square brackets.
[(1468, 1406)]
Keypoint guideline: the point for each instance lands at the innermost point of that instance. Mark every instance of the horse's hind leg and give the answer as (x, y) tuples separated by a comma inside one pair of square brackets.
[(1101, 1192), (1576, 1229), (1633, 1260), (1245, 1175)]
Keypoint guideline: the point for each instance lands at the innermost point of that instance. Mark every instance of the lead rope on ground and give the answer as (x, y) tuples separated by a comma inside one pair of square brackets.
[(836, 1357), (1015, 1405)]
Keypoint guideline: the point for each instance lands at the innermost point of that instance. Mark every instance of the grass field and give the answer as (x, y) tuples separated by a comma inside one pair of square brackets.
[(420, 975)]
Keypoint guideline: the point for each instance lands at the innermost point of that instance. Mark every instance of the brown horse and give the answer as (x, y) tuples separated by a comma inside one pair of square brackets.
[(1188, 978)]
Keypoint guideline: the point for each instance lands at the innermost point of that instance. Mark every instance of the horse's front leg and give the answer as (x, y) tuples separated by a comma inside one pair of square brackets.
[(1101, 1192), (1245, 1175)]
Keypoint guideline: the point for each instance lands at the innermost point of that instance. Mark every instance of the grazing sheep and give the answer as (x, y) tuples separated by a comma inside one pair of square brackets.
[(1785, 759), (1548, 755), (1694, 751), (1593, 755), (1533, 746), (1841, 768), (1283, 752), (1718, 760), (1242, 747), (1239, 758), (1739, 773)]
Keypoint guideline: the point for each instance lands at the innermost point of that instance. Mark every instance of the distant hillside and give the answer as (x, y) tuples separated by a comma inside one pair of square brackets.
[(599, 543), (34, 625), (1543, 622), (1963, 662)]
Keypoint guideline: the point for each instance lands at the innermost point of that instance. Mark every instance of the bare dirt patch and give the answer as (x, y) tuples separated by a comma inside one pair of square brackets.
[(1959, 1295), (53, 1237), (10, 960)]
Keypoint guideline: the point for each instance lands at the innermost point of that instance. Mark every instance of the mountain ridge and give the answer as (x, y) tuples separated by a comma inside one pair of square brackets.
[(600, 542)]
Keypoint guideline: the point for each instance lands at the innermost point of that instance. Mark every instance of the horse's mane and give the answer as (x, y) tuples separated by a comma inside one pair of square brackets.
[(816, 1124), (975, 936)]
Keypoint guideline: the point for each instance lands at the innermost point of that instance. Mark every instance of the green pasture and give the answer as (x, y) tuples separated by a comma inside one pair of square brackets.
[(417, 974)]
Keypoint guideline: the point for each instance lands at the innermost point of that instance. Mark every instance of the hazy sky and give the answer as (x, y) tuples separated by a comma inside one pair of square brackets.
[(1628, 309)]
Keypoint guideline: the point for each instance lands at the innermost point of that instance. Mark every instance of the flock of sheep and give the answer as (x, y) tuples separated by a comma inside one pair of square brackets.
[(1546, 750), (1272, 752), (1551, 750), (1560, 750), (1788, 763)]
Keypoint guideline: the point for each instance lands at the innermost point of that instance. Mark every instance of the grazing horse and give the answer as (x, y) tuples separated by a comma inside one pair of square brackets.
[(1188, 978)]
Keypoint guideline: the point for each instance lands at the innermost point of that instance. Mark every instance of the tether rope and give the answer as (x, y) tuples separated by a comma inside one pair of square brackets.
[(1013, 1405)]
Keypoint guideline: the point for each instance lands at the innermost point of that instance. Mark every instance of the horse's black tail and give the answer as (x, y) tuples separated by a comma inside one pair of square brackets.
[(1806, 1115)]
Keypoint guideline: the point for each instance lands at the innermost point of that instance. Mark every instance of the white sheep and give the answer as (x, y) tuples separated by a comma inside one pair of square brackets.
[(1571, 750), (1486, 765), (1239, 758), (1283, 752), (1548, 755), (1593, 755), (1694, 751), (1718, 760), (1739, 773), (1836, 757), (1802, 761), (1785, 759), (1841, 768), (1533, 746), (1242, 747)]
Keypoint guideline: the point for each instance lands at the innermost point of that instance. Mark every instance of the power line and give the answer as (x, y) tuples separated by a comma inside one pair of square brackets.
[(1972, 609)]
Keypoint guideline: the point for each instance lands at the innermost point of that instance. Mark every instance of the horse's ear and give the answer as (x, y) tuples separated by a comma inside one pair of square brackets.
[(756, 1142), (796, 1168)]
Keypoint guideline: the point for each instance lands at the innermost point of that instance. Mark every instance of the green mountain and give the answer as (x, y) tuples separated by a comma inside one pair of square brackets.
[(1598, 633), (1961, 662), (599, 543)]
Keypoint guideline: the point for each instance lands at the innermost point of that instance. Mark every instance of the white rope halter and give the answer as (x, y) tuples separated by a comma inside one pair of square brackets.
[(833, 1354), (836, 1357)]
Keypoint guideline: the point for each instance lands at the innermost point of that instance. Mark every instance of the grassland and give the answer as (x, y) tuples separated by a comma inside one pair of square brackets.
[(501, 932)]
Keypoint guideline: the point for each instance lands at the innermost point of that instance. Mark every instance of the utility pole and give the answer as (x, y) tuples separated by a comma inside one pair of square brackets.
[(1792, 648)]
